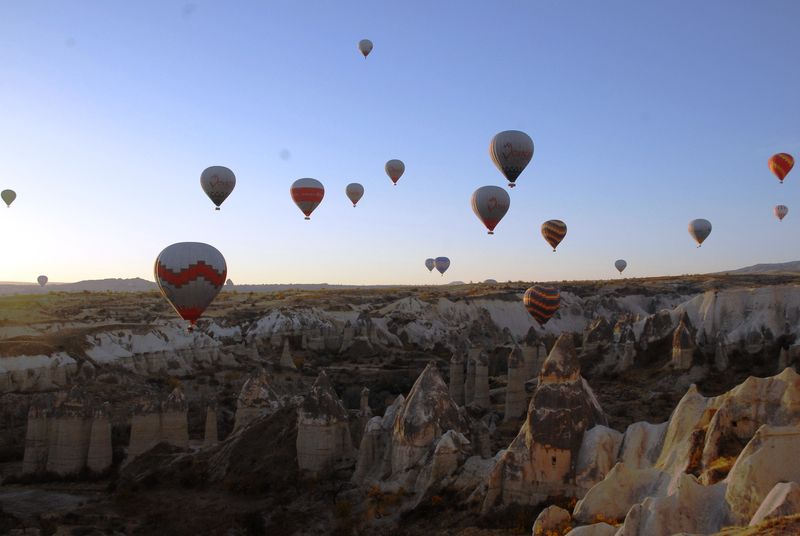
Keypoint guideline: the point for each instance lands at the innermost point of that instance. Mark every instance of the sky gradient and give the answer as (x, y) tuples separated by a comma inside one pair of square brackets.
[(644, 115)]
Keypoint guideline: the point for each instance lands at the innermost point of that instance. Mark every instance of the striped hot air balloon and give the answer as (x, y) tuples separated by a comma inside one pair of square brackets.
[(781, 211), (781, 164), (307, 195), (542, 302), (554, 232), (218, 183), (490, 204), (511, 151), (190, 275), (395, 169)]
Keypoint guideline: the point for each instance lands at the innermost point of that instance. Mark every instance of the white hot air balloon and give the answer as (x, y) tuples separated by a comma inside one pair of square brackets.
[(365, 47), (781, 211), (430, 264), (8, 196), (511, 151), (441, 264), (395, 169), (218, 183), (699, 229), (190, 275), (490, 204), (42, 280), (620, 265), (307, 195), (354, 192)]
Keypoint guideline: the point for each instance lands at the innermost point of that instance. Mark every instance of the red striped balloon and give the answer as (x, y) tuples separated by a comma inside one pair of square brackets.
[(554, 232), (307, 195), (781, 164), (542, 302), (190, 275)]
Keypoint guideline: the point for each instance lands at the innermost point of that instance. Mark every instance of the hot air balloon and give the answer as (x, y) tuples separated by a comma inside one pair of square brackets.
[(490, 204), (8, 196), (554, 232), (441, 264), (218, 183), (229, 282), (307, 195), (395, 169), (365, 46), (781, 164), (354, 192), (620, 265), (542, 302), (699, 229), (511, 151), (781, 211), (42, 280), (190, 275), (430, 264)]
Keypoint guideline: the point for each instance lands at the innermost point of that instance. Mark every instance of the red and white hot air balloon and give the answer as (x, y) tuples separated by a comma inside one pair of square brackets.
[(354, 192), (781, 211), (395, 169), (190, 275), (307, 195), (511, 151), (490, 204)]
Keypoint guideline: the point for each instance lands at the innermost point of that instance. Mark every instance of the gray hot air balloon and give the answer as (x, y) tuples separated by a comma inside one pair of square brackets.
[(490, 204), (42, 280), (190, 275), (781, 211), (511, 151), (218, 183), (229, 282), (442, 264), (430, 264), (365, 47), (8, 196), (395, 169), (699, 229), (354, 192), (620, 265)]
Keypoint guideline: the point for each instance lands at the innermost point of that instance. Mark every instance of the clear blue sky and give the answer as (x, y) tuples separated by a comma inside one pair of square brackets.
[(644, 115)]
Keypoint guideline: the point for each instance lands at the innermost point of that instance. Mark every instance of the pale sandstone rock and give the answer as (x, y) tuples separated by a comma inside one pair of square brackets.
[(782, 500), (642, 444), (553, 518), (596, 529), (597, 455), (256, 399), (457, 378), (516, 397), (286, 356)]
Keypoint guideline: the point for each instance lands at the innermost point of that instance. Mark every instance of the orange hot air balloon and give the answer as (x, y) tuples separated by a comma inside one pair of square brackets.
[(781, 164)]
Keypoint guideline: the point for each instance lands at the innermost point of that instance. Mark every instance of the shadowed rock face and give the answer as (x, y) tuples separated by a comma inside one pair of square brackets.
[(541, 461), (256, 399)]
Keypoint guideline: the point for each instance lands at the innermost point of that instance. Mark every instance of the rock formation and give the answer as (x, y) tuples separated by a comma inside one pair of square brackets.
[(469, 384), (682, 346), (481, 398), (286, 356), (256, 399), (210, 435), (542, 460), (551, 520), (782, 500), (154, 423), (457, 378), (323, 430), (516, 398)]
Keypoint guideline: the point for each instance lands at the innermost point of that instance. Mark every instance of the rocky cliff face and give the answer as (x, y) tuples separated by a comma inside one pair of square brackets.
[(157, 422)]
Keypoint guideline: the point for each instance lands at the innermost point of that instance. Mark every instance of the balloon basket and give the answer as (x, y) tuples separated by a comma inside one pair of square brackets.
[(491, 232), (216, 208), (512, 185), (306, 218)]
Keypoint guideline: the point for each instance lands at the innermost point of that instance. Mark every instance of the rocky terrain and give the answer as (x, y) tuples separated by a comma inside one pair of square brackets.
[(644, 407)]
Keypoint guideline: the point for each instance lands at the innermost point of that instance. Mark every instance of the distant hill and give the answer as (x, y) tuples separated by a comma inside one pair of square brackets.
[(774, 268)]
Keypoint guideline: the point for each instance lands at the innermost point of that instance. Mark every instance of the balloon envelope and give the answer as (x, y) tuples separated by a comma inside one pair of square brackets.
[(781, 164), (441, 264), (699, 229), (229, 282), (620, 265), (218, 183), (430, 264), (42, 280), (490, 204), (8, 196), (307, 195), (542, 302), (354, 192), (365, 46), (511, 151), (781, 211), (554, 232), (395, 169), (190, 275)]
